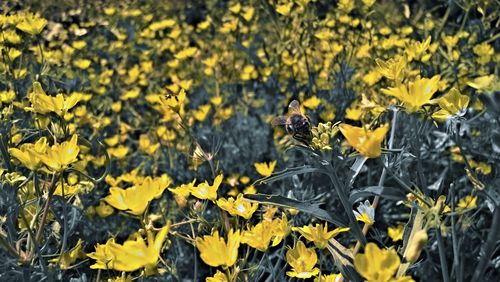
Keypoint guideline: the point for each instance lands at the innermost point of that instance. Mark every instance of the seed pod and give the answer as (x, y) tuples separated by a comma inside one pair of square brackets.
[(416, 245)]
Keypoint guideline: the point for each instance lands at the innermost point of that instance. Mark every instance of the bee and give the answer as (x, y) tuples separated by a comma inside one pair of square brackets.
[(296, 123)]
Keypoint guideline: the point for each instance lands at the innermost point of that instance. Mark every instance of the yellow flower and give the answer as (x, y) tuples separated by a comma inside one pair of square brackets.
[(416, 93), (82, 63), (204, 191), (214, 251), (312, 103), (328, 278), (396, 233), (284, 9), (132, 255), (135, 199), (69, 257), (378, 265), (43, 103), (302, 260), (469, 202), (104, 210), (487, 84), (452, 103), (25, 155), (319, 234), (260, 236), (184, 190), (218, 277), (366, 142), (239, 206), (265, 169), (60, 156), (393, 69), (31, 24), (365, 213)]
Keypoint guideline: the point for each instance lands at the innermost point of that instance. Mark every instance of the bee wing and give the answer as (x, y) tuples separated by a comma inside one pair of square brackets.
[(294, 108), (281, 120)]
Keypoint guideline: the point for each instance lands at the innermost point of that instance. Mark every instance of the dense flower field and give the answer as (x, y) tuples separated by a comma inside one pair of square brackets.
[(259, 140)]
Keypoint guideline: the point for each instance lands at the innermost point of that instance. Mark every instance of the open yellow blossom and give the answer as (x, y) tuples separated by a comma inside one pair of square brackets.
[(469, 202), (396, 233), (25, 155), (135, 200), (43, 103), (415, 94), (60, 156), (366, 142), (218, 277), (238, 206), (452, 103), (214, 251), (265, 169), (303, 261), (31, 24), (319, 234), (392, 69), (379, 265), (132, 255), (66, 259), (328, 278), (260, 235), (485, 84), (204, 191)]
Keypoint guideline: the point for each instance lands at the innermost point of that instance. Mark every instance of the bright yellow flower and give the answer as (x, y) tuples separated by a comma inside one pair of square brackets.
[(284, 9), (60, 156), (184, 190), (378, 265), (69, 257), (319, 234), (32, 24), (487, 84), (366, 142), (82, 63), (132, 255), (214, 251), (218, 277), (303, 261), (392, 69), (312, 102), (135, 199), (396, 233), (43, 103), (452, 103), (415, 94), (469, 202), (238, 206), (265, 169), (204, 191), (104, 210), (260, 236), (328, 278), (25, 155)]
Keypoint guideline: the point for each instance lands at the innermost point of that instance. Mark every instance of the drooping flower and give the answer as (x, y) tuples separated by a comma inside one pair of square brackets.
[(319, 234), (25, 155), (469, 202), (303, 261), (379, 265), (238, 206), (451, 104), (135, 199), (415, 94), (214, 251), (132, 254), (265, 169), (366, 142)]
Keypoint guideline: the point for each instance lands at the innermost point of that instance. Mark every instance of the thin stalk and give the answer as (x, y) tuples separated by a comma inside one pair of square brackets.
[(442, 255), (489, 246), (52, 189), (381, 181)]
